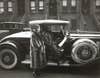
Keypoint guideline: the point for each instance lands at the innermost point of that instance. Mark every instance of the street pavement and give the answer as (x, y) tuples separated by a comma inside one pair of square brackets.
[(53, 72)]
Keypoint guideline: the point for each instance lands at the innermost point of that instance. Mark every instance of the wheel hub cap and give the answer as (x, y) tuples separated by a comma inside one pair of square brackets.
[(6, 58)]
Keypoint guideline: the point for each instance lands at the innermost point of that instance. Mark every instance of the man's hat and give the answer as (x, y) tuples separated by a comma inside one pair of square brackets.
[(35, 26)]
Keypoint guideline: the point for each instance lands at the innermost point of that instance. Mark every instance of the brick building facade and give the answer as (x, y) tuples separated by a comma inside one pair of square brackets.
[(83, 14)]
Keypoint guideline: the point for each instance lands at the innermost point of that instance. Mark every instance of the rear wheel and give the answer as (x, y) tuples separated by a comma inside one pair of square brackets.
[(8, 58), (84, 52)]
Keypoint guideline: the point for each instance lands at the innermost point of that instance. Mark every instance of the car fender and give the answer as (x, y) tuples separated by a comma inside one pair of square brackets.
[(84, 40), (23, 34), (11, 43)]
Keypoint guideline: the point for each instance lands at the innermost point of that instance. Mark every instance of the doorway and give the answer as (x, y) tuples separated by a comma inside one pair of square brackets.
[(21, 7), (52, 8), (85, 6)]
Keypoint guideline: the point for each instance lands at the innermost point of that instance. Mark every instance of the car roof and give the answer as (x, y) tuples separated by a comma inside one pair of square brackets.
[(50, 21)]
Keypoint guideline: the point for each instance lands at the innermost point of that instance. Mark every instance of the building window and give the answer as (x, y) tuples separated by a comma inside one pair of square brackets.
[(97, 6), (64, 6), (73, 5), (10, 6), (33, 6), (1, 7), (41, 5), (97, 2), (64, 3)]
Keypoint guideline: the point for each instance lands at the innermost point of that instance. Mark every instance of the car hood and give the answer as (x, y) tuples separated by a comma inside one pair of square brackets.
[(23, 34)]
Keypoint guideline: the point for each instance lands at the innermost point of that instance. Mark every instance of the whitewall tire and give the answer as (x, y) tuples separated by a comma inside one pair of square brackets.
[(84, 52), (8, 58)]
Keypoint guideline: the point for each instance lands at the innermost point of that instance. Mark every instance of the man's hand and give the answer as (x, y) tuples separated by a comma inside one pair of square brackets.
[(62, 42)]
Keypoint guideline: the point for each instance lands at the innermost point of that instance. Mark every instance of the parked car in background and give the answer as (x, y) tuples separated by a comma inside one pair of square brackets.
[(11, 25), (7, 28), (79, 47)]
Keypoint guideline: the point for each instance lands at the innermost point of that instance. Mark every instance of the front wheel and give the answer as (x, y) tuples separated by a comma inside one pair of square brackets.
[(8, 58)]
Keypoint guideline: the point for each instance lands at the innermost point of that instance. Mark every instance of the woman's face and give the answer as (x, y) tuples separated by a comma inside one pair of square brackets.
[(38, 29)]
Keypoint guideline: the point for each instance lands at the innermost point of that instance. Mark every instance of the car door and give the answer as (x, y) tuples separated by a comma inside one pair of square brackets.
[(38, 51)]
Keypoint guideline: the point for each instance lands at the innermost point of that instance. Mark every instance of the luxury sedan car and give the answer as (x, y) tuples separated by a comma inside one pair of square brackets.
[(58, 45)]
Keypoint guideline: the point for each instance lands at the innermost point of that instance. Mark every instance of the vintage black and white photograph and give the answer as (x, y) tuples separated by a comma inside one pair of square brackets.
[(49, 38)]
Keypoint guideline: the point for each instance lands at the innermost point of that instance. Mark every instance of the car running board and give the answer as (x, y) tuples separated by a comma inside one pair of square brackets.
[(66, 63), (28, 61)]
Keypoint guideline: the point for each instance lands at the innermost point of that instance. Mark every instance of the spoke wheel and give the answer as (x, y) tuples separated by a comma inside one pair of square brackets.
[(84, 52), (8, 58)]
